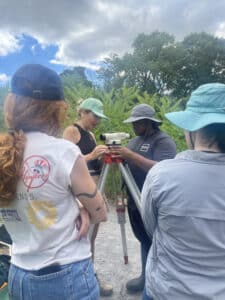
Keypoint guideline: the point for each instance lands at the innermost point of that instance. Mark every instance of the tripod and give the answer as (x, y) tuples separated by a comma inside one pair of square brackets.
[(125, 174)]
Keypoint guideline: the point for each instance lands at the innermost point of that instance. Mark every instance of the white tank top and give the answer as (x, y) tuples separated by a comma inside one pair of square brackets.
[(41, 220)]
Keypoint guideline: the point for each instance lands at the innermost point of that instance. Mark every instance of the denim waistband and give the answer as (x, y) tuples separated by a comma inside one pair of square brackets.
[(46, 270)]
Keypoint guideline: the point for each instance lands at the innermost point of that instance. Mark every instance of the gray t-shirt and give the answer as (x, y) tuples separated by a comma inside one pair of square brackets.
[(158, 146)]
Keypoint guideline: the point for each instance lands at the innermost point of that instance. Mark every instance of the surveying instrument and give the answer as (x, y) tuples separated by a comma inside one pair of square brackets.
[(115, 162)]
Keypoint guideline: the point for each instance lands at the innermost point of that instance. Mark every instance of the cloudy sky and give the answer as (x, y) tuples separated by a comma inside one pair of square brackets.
[(67, 33)]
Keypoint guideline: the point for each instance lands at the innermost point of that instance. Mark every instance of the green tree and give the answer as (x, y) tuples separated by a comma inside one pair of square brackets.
[(198, 59), (74, 77), (118, 104), (140, 67), (76, 87), (160, 65)]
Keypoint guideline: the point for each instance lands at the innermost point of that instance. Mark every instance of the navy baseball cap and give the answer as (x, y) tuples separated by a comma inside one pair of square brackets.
[(37, 82)]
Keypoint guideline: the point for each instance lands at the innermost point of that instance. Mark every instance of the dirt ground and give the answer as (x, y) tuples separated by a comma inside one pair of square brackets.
[(109, 260)]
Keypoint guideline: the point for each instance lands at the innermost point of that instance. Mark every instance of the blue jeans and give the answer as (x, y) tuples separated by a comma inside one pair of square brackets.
[(74, 281), (145, 296)]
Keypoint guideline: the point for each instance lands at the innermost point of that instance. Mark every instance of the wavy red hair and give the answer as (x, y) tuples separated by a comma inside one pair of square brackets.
[(24, 114)]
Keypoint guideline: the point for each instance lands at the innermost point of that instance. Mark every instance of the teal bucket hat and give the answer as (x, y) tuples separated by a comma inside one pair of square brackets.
[(95, 106), (205, 106)]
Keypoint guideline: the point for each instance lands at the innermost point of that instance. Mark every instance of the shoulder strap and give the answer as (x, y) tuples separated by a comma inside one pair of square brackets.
[(80, 129)]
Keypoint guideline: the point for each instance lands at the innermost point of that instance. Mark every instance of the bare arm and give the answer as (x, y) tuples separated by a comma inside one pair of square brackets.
[(97, 152), (82, 222), (71, 133), (139, 160), (133, 157), (84, 188), (163, 149)]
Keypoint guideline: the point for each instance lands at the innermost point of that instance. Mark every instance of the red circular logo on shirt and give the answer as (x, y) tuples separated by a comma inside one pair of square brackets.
[(36, 170)]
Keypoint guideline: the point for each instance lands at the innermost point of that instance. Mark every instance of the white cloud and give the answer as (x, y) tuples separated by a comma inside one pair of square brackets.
[(4, 78), (8, 43), (85, 31), (220, 32)]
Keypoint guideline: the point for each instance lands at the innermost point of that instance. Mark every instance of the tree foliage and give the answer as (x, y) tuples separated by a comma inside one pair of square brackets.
[(75, 77), (198, 59), (76, 87), (138, 68), (117, 106), (159, 64)]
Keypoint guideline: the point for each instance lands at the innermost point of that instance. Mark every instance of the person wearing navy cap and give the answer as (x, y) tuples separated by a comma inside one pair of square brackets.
[(183, 206), (47, 196)]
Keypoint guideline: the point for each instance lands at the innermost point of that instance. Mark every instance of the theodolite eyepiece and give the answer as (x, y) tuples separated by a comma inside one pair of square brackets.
[(114, 138)]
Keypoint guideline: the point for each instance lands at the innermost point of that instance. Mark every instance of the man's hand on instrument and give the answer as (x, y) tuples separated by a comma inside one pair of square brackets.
[(120, 151)]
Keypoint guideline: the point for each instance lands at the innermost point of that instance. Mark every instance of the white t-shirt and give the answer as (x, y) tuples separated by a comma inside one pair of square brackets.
[(41, 220)]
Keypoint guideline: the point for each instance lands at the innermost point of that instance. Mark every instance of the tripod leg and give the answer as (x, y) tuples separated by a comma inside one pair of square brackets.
[(100, 185), (137, 190), (102, 178), (124, 242), (120, 209), (131, 184)]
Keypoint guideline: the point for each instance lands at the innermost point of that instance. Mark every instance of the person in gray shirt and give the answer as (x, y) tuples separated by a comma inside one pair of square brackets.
[(150, 146), (183, 206)]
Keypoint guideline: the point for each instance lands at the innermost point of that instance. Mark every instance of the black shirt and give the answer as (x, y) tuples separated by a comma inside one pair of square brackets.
[(87, 145)]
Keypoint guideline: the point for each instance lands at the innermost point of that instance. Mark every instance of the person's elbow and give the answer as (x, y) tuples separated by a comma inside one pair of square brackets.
[(100, 215)]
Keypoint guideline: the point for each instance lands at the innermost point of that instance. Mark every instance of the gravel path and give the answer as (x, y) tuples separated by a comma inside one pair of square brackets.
[(109, 261)]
